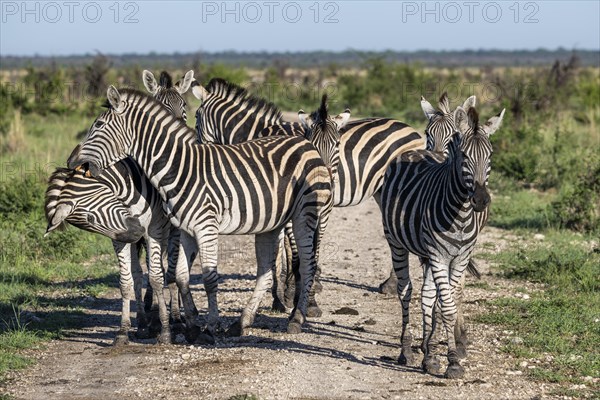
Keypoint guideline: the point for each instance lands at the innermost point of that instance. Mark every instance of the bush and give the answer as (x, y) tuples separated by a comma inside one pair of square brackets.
[(578, 207)]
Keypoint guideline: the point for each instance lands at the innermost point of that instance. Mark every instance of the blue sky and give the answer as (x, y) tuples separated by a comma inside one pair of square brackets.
[(77, 27)]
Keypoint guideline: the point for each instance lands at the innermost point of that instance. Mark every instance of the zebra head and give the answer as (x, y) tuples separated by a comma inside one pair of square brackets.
[(324, 133), (474, 154), (441, 126), (167, 93), (89, 205), (107, 140)]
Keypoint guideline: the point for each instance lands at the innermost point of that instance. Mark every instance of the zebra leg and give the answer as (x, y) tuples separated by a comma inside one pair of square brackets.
[(266, 246), (157, 281), (389, 286), (430, 363), (208, 242), (123, 252), (171, 280), (293, 269), (278, 283), (306, 237), (185, 258), (138, 283), (460, 330), (404, 290), (448, 308)]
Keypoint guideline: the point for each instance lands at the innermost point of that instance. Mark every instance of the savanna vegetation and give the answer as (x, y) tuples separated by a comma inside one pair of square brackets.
[(545, 182)]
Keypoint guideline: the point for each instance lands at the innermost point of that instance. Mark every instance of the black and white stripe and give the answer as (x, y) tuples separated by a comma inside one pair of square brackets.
[(207, 190), (228, 114), (429, 204), (76, 200)]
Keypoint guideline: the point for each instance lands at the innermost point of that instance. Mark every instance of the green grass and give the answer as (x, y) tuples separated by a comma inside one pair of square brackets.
[(43, 281), (563, 319)]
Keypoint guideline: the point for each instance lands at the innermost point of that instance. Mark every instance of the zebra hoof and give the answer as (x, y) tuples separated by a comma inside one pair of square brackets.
[(388, 287), (406, 358), (294, 328), (205, 338), (164, 338), (314, 312), (454, 371), (431, 366), (235, 330), (142, 333), (121, 339), (278, 306), (192, 333)]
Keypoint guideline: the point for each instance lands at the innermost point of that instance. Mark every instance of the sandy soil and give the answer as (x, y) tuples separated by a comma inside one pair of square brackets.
[(336, 357)]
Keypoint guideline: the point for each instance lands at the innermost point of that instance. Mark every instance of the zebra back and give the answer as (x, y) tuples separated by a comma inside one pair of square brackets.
[(229, 114)]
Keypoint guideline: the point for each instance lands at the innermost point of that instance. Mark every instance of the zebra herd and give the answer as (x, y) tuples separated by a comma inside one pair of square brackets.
[(142, 177)]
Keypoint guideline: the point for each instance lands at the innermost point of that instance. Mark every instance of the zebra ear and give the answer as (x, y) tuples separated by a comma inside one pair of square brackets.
[(342, 119), (58, 219), (199, 91), (114, 98), (470, 102), (305, 120), (149, 81), (183, 85), (493, 123), (461, 120), (427, 108)]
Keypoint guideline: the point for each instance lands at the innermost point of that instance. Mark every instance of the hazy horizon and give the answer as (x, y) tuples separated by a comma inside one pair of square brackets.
[(141, 27)]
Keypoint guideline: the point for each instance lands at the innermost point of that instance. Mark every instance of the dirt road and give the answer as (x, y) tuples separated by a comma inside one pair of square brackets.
[(337, 357)]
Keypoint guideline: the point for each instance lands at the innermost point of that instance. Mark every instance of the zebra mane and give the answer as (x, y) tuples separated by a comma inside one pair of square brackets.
[(56, 182), (245, 100), (444, 103), (321, 113), (165, 80)]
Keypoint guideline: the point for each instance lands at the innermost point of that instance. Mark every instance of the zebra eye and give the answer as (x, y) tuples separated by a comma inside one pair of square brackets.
[(99, 124), (91, 219)]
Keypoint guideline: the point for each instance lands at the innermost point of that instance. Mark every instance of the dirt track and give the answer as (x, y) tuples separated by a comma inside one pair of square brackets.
[(337, 356)]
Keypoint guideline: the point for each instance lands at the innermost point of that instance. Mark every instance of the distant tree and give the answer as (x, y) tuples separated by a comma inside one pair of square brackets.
[(95, 75)]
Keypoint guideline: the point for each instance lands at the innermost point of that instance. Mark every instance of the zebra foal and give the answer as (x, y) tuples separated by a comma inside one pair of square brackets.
[(208, 190), (429, 205)]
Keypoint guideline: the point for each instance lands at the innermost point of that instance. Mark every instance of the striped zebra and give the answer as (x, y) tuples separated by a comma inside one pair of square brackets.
[(228, 114), (207, 190), (74, 199), (429, 204), (439, 132)]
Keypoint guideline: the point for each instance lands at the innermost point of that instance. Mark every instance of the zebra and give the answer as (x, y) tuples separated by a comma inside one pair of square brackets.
[(429, 204), (207, 190), (131, 190), (439, 132), (101, 205), (228, 114)]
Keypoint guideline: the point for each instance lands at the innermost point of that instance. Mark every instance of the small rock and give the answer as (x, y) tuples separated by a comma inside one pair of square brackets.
[(525, 296), (539, 236), (523, 364), (517, 340), (186, 356)]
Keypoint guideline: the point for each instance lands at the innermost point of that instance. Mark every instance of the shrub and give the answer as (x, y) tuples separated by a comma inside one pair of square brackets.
[(578, 207)]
